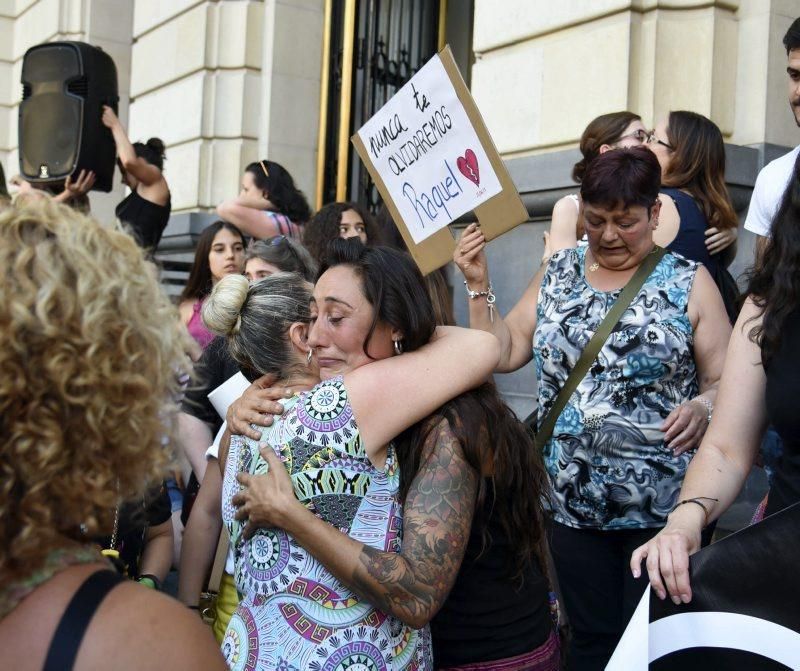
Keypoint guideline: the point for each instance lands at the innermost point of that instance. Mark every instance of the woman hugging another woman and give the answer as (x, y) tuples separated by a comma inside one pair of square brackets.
[(384, 581)]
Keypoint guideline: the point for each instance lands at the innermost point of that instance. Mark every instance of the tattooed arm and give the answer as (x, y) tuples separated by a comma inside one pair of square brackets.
[(411, 585)]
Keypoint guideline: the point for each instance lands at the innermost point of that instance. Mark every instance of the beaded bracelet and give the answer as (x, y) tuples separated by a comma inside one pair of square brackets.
[(490, 298), (708, 405)]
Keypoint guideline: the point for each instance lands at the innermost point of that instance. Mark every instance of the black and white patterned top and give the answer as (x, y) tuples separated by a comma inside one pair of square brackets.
[(607, 461)]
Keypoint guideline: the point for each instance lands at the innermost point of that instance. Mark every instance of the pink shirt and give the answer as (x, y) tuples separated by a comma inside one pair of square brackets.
[(197, 329)]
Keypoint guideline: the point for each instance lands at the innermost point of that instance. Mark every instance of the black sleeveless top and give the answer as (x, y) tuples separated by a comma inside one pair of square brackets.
[(489, 615), (691, 239), (146, 219), (783, 390)]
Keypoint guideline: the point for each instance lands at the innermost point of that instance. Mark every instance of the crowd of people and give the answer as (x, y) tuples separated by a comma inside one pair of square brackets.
[(316, 457)]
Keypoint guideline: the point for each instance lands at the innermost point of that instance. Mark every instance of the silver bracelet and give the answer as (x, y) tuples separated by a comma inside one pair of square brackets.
[(490, 298), (708, 404)]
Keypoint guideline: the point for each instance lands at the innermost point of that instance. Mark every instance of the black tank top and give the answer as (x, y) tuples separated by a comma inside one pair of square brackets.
[(489, 615), (783, 390), (691, 239), (146, 219), (76, 618)]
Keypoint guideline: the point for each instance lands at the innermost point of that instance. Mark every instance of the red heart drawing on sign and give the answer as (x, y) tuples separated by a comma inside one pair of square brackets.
[(468, 165)]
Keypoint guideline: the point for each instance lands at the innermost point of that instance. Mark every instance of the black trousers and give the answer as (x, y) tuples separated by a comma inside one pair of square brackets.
[(598, 591)]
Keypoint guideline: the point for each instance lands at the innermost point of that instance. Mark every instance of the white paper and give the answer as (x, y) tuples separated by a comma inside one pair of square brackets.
[(632, 653), (644, 642), (227, 393), (428, 154), (733, 631)]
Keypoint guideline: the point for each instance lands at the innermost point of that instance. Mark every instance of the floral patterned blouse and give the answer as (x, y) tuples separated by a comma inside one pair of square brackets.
[(295, 615), (607, 461)]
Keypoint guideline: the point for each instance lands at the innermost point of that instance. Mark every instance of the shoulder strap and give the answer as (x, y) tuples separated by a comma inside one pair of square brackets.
[(594, 346), (76, 618), (220, 557)]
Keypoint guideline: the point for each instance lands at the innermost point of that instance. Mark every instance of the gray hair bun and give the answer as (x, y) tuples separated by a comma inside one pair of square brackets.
[(222, 309)]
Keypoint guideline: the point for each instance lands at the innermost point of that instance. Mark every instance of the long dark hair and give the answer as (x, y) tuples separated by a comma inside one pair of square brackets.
[(392, 285), (436, 281), (605, 129), (697, 165), (199, 283), (775, 285), (278, 186), (485, 427), (324, 227), (489, 433)]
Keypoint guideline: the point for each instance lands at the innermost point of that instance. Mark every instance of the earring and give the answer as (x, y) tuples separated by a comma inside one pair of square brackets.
[(309, 355), (398, 347)]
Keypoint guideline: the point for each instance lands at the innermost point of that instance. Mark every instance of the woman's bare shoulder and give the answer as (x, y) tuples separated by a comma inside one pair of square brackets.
[(133, 625), (143, 629)]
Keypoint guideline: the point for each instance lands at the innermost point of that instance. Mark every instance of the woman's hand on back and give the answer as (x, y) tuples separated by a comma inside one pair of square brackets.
[(717, 240), (265, 500), (257, 405), (685, 426), (470, 257)]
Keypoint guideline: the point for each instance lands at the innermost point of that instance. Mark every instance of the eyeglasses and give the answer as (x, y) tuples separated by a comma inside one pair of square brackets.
[(641, 135), (651, 137)]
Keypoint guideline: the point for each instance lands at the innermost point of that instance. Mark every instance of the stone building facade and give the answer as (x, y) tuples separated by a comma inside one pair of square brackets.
[(224, 82)]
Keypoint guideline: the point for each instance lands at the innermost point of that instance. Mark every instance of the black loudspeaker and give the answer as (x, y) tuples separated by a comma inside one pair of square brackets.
[(64, 88)]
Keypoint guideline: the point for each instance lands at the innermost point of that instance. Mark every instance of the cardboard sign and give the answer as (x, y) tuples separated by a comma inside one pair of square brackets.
[(432, 160)]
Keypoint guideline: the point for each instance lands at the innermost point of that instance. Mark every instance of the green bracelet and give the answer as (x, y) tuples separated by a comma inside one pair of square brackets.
[(150, 581)]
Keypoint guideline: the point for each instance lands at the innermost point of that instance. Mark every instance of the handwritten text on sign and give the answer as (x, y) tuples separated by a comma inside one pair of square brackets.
[(428, 154)]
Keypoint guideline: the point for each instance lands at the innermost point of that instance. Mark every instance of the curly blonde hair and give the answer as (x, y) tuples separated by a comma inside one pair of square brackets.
[(90, 366)]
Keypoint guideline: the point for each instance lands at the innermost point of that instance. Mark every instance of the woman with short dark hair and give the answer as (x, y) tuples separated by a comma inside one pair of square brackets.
[(608, 131), (620, 447)]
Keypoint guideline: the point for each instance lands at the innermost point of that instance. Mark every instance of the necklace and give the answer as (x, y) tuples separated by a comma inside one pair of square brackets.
[(594, 266)]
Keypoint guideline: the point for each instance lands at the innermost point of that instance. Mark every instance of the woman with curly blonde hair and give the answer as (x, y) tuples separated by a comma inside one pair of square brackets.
[(88, 384)]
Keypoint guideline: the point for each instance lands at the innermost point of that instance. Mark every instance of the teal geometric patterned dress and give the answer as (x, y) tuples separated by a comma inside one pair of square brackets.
[(294, 614)]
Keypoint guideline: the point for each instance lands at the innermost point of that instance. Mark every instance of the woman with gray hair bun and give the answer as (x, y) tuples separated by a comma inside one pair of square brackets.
[(257, 320), (368, 330)]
